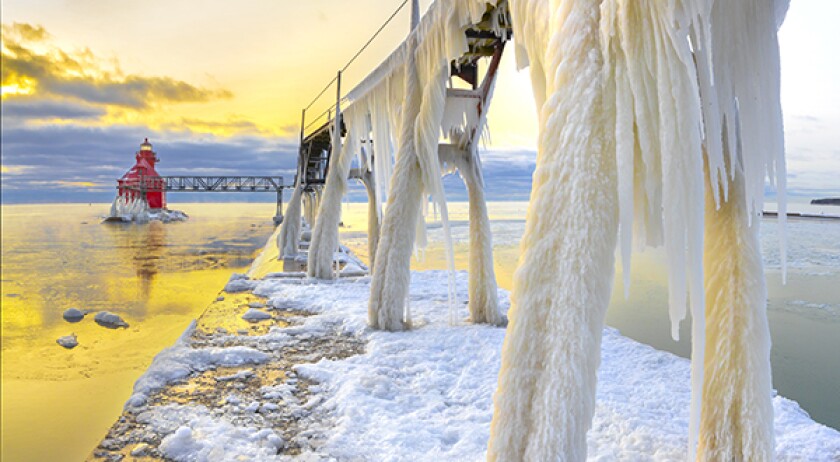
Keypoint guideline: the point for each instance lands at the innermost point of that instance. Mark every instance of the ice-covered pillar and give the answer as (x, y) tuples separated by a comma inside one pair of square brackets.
[(309, 207), (737, 410), (325, 231), (483, 291), (373, 215), (289, 237), (546, 393), (392, 268)]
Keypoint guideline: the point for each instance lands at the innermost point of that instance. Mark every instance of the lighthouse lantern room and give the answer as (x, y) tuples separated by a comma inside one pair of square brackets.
[(142, 181)]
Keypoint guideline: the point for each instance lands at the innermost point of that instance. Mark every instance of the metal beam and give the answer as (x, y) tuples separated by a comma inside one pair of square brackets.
[(209, 184)]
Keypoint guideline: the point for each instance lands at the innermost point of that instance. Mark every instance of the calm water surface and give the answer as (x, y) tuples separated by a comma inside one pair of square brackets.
[(57, 404)]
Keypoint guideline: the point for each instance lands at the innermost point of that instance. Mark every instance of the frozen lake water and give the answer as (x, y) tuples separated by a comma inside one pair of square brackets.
[(57, 403)]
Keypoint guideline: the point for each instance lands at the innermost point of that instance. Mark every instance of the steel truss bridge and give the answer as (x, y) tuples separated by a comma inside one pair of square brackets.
[(223, 183)]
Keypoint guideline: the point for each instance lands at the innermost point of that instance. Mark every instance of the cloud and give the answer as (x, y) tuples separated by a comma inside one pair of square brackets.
[(229, 126), (25, 108), (72, 163), (33, 65), (27, 32)]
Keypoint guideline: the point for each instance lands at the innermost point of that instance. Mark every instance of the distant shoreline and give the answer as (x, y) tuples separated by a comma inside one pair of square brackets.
[(807, 216), (826, 201)]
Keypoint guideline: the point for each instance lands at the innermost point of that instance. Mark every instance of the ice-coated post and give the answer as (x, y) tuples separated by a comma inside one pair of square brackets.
[(546, 394), (325, 231), (737, 409), (483, 291), (392, 268), (278, 216), (289, 237), (373, 216)]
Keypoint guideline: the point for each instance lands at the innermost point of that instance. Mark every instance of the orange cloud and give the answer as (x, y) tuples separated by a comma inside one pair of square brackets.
[(33, 65)]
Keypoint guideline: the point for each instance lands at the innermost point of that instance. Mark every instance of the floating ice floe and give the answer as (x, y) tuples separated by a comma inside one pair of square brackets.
[(74, 315), (239, 283), (109, 320), (254, 315), (68, 341)]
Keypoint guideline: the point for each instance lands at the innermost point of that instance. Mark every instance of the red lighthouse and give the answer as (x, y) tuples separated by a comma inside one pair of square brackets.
[(142, 181)]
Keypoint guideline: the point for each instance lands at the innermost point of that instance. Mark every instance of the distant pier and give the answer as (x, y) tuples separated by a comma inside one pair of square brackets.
[(249, 184)]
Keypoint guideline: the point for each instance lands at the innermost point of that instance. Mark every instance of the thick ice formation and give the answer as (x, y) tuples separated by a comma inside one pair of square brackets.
[(546, 398), (632, 96), (374, 214), (672, 78), (310, 206), (137, 210), (129, 209), (389, 288), (737, 416), (403, 106), (325, 232), (423, 64), (289, 236), (483, 298)]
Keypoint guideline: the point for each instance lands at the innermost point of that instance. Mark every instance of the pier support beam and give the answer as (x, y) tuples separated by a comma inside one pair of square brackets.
[(325, 232), (392, 271), (483, 291), (288, 239), (546, 395), (373, 214), (737, 409), (278, 215)]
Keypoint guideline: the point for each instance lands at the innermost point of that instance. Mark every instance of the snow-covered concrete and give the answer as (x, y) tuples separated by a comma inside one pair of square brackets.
[(426, 394), (350, 393)]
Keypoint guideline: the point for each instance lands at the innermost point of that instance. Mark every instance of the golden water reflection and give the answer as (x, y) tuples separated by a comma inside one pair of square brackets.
[(57, 403)]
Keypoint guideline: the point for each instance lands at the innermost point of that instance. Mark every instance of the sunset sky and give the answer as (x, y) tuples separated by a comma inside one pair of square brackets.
[(218, 87)]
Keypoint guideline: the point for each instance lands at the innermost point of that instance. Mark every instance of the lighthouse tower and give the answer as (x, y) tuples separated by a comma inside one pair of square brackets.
[(142, 181)]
